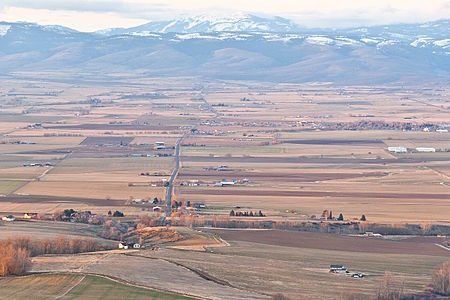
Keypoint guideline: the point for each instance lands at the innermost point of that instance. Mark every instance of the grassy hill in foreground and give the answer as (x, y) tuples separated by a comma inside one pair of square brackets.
[(73, 286)]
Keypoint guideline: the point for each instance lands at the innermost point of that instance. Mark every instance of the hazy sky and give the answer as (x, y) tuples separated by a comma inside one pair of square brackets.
[(90, 15)]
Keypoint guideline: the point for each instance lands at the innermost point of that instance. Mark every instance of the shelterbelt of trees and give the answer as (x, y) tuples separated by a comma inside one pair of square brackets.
[(15, 253)]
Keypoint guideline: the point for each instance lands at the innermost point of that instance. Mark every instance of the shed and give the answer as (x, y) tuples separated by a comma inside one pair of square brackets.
[(425, 149), (337, 268), (399, 149)]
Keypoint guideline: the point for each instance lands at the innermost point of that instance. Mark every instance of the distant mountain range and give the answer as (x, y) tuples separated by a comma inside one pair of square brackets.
[(212, 23), (242, 47)]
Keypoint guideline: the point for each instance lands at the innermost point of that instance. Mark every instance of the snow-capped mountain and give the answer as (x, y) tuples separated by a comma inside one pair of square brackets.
[(235, 47), (240, 27), (238, 22)]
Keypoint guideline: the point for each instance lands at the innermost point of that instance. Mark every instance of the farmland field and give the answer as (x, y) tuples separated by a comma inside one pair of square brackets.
[(296, 150), (161, 163), (72, 286), (298, 265), (8, 186)]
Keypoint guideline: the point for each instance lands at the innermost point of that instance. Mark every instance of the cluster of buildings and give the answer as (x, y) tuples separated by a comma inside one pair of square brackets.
[(371, 234), (220, 168), (29, 164), (23, 143), (425, 149), (401, 149), (192, 182), (139, 201), (150, 155), (232, 182), (35, 126), (337, 269), (125, 245), (226, 182), (398, 149), (26, 216)]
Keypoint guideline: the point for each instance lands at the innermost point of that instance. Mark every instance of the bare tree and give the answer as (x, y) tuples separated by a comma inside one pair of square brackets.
[(351, 295), (279, 296), (389, 289), (441, 280)]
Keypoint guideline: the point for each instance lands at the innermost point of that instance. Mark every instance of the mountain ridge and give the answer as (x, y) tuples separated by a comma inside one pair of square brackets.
[(212, 23), (247, 52)]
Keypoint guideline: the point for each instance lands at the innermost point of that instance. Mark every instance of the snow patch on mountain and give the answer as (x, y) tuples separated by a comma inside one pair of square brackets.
[(421, 42), (387, 43), (190, 36), (443, 43), (58, 29), (147, 34), (285, 38), (319, 40), (4, 29), (238, 22), (344, 41), (367, 40)]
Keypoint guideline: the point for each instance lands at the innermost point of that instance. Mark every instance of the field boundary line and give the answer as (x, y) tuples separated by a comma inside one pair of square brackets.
[(117, 280), (125, 282), (201, 274), (219, 239), (25, 182), (44, 173), (443, 247), (71, 288)]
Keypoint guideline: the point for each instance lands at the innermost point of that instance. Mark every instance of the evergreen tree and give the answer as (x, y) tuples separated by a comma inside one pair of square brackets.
[(118, 214), (68, 212), (341, 217)]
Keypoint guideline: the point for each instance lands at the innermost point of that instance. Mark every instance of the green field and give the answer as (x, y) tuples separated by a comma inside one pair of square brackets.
[(9, 186), (71, 286)]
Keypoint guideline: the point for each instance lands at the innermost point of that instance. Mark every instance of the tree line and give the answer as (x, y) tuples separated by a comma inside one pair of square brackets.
[(15, 253), (246, 214)]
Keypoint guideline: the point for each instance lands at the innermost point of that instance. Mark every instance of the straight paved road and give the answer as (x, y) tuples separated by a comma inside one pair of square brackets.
[(169, 190)]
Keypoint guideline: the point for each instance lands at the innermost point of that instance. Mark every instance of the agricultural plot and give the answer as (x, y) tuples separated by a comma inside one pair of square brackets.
[(9, 186), (291, 151), (47, 229), (74, 286), (297, 264), (147, 272), (353, 174)]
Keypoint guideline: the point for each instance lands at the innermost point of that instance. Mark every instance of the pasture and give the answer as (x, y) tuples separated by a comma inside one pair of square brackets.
[(75, 286)]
